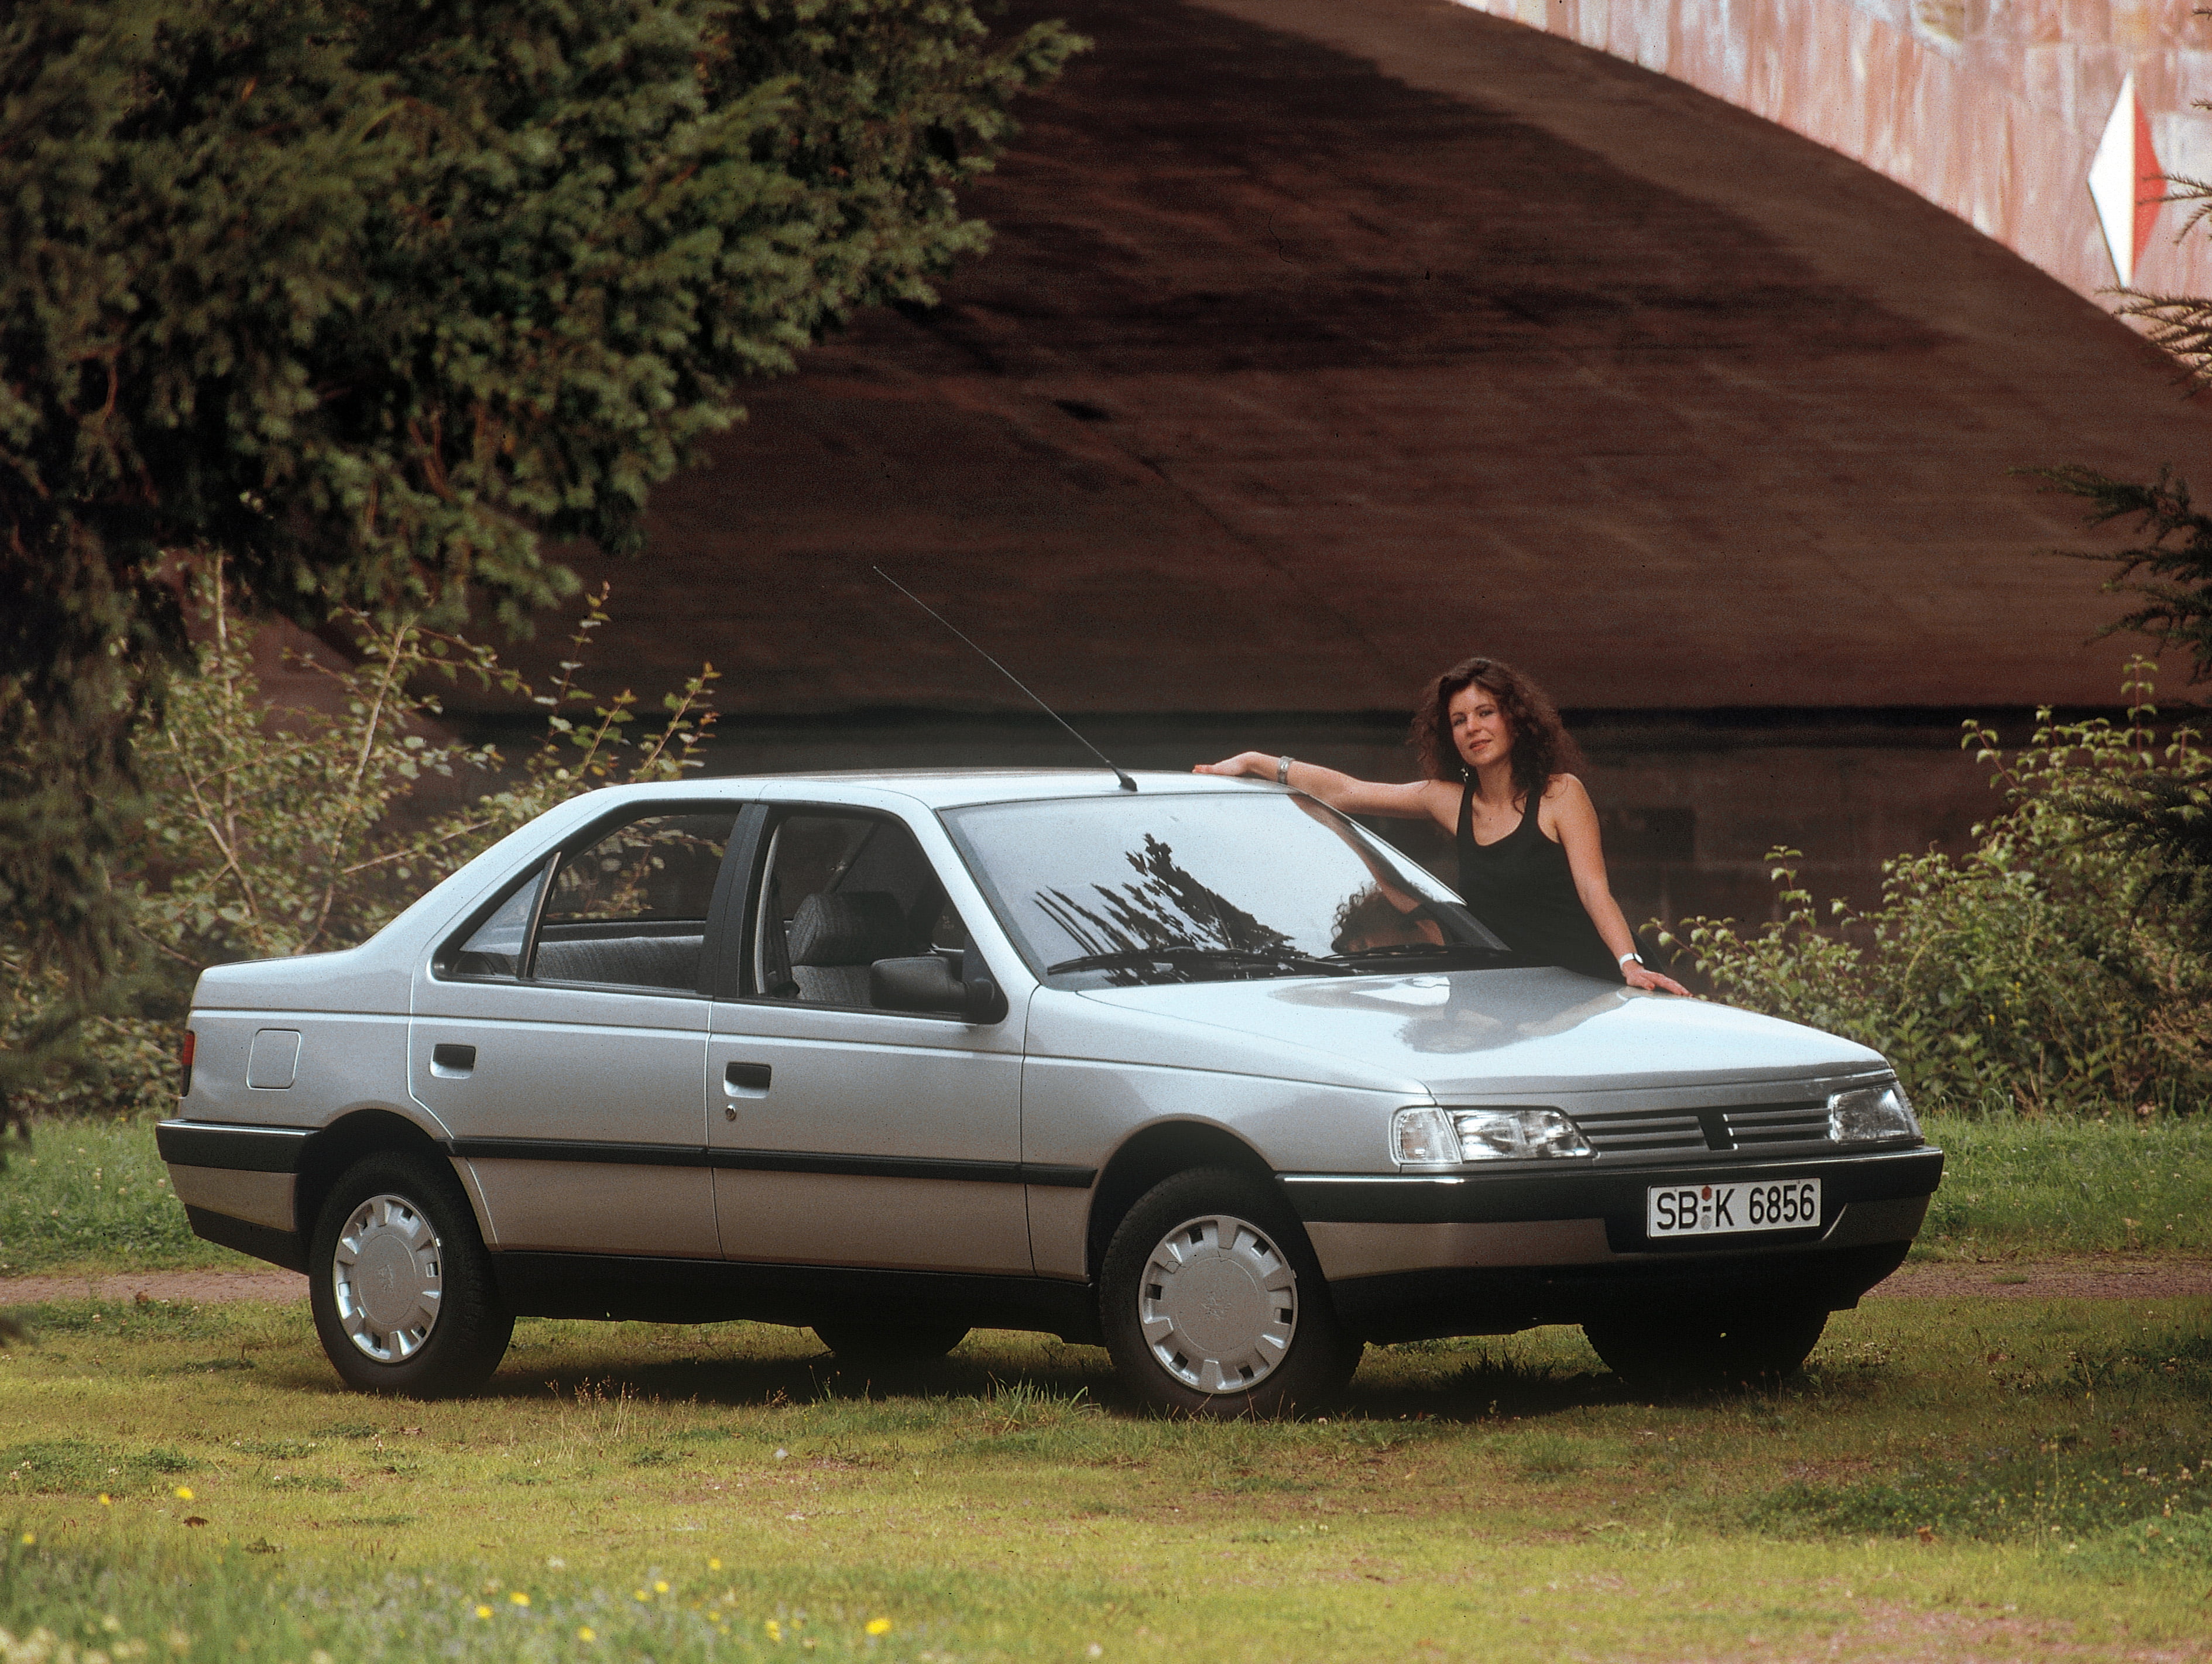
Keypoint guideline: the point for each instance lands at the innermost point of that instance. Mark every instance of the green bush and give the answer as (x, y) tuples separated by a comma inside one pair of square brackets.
[(274, 830), (2038, 972)]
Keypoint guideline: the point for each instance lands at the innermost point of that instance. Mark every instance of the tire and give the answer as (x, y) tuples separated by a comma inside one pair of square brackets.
[(1663, 1357), (1213, 1304), (431, 1325), (890, 1343)]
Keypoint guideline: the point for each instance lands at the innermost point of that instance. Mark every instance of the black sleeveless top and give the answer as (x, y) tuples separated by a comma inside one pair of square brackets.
[(1522, 889)]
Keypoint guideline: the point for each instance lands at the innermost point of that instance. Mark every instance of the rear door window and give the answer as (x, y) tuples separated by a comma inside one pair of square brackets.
[(626, 910)]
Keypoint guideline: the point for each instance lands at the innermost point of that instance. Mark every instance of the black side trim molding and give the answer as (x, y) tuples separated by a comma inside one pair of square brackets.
[(287, 1248), (609, 1153), (636, 1287), (243, 1149), (775, 1160)]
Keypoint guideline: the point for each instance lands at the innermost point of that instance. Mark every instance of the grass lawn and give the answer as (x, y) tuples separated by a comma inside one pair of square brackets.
[(94, 1196), (1953, 1479)]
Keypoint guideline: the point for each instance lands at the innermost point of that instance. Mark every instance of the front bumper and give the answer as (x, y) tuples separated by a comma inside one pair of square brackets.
[(1414, 1257)]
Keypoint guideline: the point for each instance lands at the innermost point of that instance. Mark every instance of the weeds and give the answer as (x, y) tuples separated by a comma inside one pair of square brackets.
[(2034, 974), (274, 831)]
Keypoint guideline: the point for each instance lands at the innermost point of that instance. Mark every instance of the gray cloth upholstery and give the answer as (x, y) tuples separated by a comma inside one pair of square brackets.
[(856, 929), (639, 962), (832, 985), (835, 939)]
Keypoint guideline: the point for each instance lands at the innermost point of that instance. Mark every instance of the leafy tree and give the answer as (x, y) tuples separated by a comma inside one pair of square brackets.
[(368, 300), (2164, 816), (2168, 572)]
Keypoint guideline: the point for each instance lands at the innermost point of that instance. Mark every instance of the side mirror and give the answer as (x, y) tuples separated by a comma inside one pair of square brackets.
[(924, 983), (984, 1001)]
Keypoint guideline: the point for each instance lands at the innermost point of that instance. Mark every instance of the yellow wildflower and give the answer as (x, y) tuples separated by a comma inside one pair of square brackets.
[(484, 1612), (520, 1598), (184, 1493), (661, 1587), (879, 1626), (585, 1632), (775, 1629)]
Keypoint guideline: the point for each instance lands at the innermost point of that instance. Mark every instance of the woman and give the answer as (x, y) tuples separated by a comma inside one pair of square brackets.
[(1496, 760)]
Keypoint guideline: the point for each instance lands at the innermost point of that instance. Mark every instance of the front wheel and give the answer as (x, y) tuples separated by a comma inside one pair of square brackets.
[(401, 1286), (1214, 1305), (1663, 1355)]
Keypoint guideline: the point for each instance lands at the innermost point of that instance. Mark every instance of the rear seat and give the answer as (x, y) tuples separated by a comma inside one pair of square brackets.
[(639, 962)]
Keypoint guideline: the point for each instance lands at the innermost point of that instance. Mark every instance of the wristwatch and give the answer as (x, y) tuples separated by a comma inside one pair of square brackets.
[(1282, 769), (1625, 957)]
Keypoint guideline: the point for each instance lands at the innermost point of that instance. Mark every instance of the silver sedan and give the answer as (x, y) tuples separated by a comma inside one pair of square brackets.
[(1200, 1072)]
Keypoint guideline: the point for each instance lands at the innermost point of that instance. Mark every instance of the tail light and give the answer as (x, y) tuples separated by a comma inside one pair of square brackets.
[(185, 1057)]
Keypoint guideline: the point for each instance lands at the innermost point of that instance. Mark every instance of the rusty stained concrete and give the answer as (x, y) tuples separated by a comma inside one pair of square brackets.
[(1326, 340), (1990, 108)]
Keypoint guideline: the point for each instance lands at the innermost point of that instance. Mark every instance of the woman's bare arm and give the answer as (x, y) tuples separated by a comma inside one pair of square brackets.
[(1412, 800), (1568, 814)]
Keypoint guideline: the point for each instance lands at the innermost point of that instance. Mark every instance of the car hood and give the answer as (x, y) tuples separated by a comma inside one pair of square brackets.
[(1485, 1032)]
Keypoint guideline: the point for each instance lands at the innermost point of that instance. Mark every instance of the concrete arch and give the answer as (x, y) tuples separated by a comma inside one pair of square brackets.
[(1993, 109), (1326, 340)]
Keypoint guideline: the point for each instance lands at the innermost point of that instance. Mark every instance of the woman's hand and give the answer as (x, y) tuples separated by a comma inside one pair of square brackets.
[(1258, 764), (1642, 976)]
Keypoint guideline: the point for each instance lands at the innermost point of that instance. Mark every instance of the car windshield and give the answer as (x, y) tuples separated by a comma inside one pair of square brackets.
[(1113, 892)]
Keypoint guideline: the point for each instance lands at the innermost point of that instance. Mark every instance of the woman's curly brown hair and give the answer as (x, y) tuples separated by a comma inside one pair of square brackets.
[(1541, 746)]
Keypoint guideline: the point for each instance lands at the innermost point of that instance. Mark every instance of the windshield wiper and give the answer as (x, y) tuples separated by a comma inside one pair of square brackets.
[(1132, 958), (1417, 950)]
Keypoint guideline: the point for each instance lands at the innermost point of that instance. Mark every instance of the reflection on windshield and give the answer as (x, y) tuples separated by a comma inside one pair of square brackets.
[(1164, 907), (1378, 917), (1111, 892)]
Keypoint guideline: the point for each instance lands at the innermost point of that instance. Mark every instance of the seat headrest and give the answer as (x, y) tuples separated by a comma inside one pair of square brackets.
[(857, 928)]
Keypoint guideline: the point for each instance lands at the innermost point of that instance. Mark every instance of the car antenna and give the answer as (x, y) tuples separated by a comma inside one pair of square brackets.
[(1120, 774)]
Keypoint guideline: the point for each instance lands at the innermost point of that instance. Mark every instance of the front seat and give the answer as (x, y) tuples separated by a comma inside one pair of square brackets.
[(835, 939)]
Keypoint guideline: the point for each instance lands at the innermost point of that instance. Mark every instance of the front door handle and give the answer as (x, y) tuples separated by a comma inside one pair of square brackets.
[(746, 1080)]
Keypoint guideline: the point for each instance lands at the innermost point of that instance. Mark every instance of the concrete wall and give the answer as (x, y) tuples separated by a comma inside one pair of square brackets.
[(1990, 108)]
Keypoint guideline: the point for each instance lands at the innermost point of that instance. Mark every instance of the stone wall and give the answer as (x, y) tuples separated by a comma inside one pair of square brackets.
[(1990, 108)]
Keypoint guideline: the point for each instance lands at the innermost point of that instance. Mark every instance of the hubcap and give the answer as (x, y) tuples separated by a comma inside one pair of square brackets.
[(1219, 1304), (388, 1274)]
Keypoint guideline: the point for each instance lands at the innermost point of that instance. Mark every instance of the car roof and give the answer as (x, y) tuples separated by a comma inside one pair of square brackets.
[(948, 788)]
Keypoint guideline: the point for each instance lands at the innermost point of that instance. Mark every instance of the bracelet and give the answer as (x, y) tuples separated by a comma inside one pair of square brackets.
[(1625, 957), (1282, 769)]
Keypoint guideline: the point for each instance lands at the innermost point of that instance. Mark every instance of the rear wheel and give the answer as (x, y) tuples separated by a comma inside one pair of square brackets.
[(890, 1343), (1663, 1355), (1214, 1305), (401, 1286)]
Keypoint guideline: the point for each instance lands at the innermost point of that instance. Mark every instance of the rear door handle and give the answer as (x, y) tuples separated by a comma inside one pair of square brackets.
[(452, 1062), (746, 1080)]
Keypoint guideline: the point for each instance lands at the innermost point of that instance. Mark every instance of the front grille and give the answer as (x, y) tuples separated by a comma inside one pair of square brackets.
[(1642, 1132), (1666, 1132), (1753, 1125)]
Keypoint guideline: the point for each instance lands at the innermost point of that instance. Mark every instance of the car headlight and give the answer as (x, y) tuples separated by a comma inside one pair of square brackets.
[(1863, 1113), (1445, 1137)]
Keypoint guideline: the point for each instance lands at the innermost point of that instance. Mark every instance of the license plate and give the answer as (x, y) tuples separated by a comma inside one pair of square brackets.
[(1713, 1210)]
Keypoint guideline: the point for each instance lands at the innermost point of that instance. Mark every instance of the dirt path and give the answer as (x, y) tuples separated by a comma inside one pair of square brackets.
[(2105, 1277), (283, 1286), (2101, 1278)]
